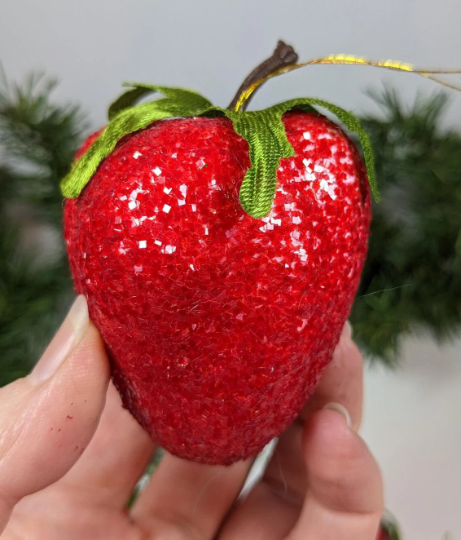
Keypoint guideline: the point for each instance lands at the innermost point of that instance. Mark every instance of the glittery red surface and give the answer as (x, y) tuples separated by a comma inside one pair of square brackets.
[(219, 325)]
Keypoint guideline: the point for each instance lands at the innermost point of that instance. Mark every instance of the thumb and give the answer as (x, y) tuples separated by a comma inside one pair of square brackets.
[(47, 418), (345, 492)]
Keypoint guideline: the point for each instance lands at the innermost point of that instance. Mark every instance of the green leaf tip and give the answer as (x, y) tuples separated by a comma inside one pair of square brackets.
[(126, 117), (268, 143), (265, 133), (188, 99), (263, 130)]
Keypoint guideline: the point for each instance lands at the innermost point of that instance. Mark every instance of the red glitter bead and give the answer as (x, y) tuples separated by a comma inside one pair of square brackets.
[(219, 325)]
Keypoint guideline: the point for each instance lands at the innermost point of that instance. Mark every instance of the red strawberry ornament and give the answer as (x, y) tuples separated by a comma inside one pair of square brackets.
[(220, 252)]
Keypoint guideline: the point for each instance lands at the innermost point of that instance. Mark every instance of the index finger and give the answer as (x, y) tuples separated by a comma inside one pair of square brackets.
[(345, 493)]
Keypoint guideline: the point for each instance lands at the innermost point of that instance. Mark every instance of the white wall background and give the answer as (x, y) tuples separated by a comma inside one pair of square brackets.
[(412, 421)]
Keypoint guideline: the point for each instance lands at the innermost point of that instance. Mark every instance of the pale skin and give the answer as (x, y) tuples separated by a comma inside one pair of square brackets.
[(70, 456)]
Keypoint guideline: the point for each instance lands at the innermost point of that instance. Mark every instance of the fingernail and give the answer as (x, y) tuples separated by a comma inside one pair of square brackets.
[(68, 336), (345, 339), (347, 330), (333, 406)]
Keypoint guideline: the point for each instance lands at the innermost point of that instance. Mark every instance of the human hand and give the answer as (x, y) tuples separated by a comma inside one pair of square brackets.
[(70, 456)]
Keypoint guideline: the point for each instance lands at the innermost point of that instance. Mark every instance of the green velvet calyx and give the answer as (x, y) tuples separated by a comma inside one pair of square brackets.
[(263, 130)]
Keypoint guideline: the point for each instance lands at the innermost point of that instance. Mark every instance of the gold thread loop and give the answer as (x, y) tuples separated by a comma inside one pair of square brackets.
[(344, 59)]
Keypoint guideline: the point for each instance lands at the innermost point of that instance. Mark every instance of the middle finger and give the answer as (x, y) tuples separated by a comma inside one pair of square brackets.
[(188, 500)]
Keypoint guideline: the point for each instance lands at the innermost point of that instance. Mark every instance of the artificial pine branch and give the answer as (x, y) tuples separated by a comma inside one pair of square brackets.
[(37, 143), (412, 277)]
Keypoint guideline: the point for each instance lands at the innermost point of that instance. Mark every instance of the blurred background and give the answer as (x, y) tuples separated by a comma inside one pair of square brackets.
[(407, 315)]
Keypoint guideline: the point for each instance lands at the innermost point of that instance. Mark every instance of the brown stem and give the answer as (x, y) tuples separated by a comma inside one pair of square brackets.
[(284, 55)]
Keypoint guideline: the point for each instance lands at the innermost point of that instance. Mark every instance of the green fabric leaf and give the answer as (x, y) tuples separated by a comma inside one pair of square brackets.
[(188, 98), (351, 122), (268, 143), (126, 100), (265, 133), (263, 130), (125, 122)]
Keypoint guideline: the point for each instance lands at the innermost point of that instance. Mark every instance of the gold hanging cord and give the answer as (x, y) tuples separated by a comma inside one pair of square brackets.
[(343, 59)]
